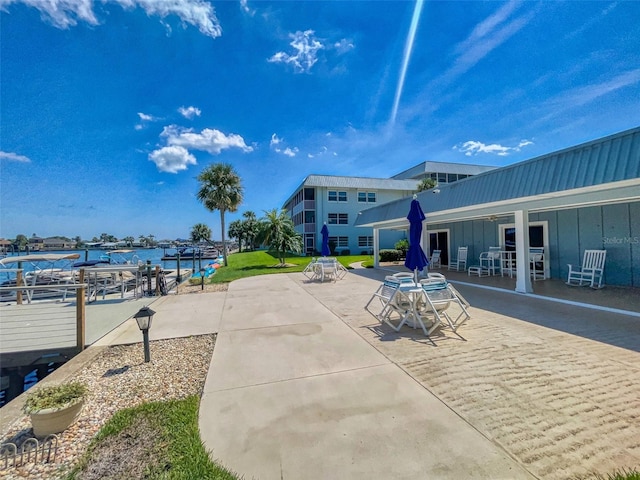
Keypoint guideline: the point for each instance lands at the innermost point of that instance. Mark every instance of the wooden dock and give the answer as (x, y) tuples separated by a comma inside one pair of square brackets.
[(32, 333)]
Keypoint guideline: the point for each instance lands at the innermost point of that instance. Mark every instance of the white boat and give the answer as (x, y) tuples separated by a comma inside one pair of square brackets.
[(121, 257), (41, 269)]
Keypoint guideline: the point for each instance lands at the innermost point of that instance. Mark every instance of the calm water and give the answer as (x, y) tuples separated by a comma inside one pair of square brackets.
[(153, 254)]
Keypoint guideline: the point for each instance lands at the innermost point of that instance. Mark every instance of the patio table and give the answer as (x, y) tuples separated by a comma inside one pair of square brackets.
[(414, 292)]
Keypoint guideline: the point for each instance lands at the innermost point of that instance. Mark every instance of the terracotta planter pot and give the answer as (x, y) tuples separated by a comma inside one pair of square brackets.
[(55, 420)]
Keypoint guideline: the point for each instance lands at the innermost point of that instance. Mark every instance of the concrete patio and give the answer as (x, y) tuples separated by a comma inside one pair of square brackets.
[(306, 384)]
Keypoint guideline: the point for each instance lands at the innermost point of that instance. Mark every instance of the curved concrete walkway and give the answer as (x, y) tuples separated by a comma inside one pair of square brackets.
[(305, 384)]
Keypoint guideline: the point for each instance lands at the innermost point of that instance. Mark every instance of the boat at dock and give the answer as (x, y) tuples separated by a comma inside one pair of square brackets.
[(189, 253), (121, 257), (38, 269)]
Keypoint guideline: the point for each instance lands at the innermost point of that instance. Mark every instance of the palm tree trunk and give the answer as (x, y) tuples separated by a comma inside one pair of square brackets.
[(224, 242)]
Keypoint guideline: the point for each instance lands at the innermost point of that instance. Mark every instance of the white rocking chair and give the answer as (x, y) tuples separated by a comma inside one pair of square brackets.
[(459, 263), (591, 272)]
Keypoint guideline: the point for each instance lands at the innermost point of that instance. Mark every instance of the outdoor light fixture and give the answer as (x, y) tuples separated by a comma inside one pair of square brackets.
[(202, 270), (144, 317)]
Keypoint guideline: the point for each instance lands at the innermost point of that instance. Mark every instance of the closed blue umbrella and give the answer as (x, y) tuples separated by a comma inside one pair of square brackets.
[(325, 241), (416, 259)]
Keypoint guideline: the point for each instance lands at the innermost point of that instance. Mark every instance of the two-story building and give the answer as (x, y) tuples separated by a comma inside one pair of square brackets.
[(338, 200)]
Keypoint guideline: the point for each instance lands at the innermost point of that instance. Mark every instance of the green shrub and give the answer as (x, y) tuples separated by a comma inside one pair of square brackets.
[(402, 246), (389, 255), (54, 396)]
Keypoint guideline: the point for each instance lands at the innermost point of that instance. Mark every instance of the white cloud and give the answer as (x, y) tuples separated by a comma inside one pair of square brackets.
[(290, 152), (487, 36), (274, 140), (306, 48), (172, 159), (189, 112), (588, 93), (244, 6), (592, 21), (343, 46), (13, 157), (208, 140), (146, 118), (68, 13), (473, 147)]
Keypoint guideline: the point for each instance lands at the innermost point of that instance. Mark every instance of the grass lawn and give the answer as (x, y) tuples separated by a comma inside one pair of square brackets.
[(158, 440), (249, 264)]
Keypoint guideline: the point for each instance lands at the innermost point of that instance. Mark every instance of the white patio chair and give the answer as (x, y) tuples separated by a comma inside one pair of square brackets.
[(490, 261), (403, 276), (591, 272), (435, 261), (439, 295), (459, 263), (341, 270), (536, 262), (327, 267), (388, 300), (310, 270)]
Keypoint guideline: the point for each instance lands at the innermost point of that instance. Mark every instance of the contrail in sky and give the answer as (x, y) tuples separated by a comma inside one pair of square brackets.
[(405, 61)]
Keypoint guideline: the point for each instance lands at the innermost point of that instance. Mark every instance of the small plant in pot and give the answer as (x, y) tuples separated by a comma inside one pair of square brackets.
[(54, 408)]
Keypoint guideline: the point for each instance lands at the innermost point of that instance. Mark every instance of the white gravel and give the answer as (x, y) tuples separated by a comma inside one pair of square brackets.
[(118, 379)]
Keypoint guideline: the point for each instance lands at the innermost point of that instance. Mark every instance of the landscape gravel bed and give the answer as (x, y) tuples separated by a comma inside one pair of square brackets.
[(117, 379)]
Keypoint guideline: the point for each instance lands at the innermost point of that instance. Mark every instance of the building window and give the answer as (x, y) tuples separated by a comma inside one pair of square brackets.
[(341, 242), (367, 197), (338, 219), (365, 241), (335, 196), (309, 216)]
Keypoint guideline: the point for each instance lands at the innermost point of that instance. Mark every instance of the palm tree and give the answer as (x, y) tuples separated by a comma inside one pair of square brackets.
[(200, 232), (129, 240), (279, 233), (426, 184), (220, 189), (236, 231), (250, 228)]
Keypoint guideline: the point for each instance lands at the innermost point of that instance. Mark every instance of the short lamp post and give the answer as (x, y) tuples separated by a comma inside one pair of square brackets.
[(144, 317), (202, 270)]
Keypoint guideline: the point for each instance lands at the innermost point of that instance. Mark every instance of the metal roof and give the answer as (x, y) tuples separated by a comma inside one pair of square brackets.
[(601, 171), (360, 183), (330, 181), (443, 167)]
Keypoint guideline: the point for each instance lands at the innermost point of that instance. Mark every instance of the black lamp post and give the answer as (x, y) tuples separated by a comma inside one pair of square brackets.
[(144, 317), (179, 277), (202, 270)]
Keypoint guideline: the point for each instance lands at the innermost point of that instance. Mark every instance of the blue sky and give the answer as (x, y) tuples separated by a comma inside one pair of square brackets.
[(111, 108)]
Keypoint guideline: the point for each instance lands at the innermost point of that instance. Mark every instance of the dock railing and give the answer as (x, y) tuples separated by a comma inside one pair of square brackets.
[(21, 329)]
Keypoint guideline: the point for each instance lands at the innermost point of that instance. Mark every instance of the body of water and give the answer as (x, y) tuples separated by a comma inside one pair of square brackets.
[(153, 255)]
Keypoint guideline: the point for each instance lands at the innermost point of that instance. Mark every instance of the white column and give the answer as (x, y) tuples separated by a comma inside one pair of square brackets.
[(376, 248), (523, 275)]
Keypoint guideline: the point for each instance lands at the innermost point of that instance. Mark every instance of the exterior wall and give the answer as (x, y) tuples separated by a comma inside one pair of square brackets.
[(323, 207), (614, 228)]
